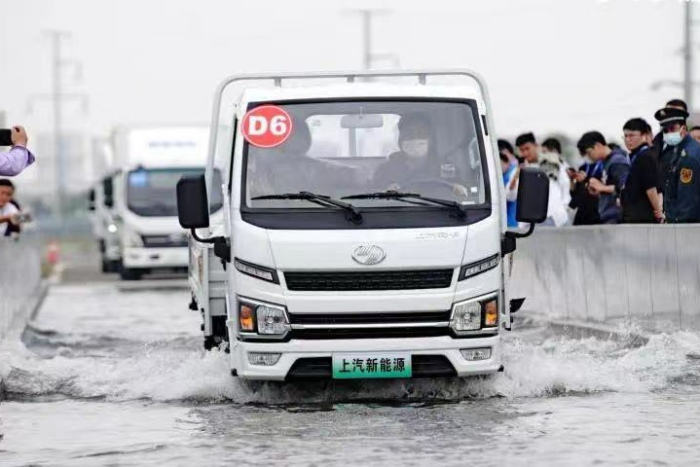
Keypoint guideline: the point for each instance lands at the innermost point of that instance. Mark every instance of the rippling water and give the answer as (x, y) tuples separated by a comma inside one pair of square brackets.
[(119, 378)]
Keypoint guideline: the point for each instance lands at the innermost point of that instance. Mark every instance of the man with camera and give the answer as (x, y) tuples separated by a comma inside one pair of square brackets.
[(18, 157)]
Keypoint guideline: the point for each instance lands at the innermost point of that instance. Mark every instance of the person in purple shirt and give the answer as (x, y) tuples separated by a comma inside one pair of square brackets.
[(18, 157)]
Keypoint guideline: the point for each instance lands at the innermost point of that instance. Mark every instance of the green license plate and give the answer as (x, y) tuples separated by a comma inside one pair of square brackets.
[(371, 365)]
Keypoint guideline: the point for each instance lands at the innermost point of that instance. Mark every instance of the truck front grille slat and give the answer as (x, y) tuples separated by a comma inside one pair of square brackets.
[(163, 241), (360, 281), (369, 318), (369, 333)]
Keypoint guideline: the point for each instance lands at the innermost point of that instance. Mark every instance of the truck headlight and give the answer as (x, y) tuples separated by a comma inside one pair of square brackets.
[(466, 316), (476, 268), (263, 319), (475, 314), (271, 320)]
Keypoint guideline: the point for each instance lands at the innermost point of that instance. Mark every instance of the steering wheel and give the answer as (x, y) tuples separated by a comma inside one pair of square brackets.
[(440, 183), (430, 181)]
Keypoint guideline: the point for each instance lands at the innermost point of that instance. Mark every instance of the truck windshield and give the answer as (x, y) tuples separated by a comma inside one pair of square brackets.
[(341, 149), (151, 192)]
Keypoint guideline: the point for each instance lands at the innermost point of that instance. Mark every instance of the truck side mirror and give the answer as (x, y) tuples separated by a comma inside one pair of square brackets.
[(108, 187), (533, 196), (192, 203), (91, 200)]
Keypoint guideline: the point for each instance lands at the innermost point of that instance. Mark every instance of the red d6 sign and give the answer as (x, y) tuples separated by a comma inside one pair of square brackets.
[(267, 126)]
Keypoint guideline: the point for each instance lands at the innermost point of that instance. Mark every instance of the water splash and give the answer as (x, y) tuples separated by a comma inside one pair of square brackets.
[(177, 370)]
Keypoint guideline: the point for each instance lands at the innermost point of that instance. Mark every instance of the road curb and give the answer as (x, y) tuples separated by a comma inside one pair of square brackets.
[(36, 304)]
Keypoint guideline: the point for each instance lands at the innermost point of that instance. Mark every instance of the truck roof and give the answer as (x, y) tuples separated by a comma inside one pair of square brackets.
[(362, 90), (159, 147)]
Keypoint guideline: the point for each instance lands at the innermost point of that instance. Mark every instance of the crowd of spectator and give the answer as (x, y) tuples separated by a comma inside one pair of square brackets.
[(655, 180)]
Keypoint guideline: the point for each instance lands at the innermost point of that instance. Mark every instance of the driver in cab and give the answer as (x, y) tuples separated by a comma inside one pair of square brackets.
[(414, 165)]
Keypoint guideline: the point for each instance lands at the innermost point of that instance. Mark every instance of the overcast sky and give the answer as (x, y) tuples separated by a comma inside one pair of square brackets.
[(552, 65)]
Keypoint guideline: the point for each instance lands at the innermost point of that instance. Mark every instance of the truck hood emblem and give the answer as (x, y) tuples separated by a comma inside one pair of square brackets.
[(368, 254)]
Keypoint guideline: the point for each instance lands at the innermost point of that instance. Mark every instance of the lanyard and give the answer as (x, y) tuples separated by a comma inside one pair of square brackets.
[(644, 148), (596, 169)]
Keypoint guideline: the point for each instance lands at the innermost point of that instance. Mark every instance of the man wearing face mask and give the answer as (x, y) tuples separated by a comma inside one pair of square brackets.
[(413, 162), (681, 167), (412, 159)]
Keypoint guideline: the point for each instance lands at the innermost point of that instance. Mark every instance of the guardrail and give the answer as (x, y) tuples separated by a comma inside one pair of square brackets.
[(20, 284), (647, 273)]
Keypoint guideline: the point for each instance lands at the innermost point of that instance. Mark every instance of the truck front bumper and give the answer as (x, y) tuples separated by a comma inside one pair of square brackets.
[(156, 258), (426, 348)]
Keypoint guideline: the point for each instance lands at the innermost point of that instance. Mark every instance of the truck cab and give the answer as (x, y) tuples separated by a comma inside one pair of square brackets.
[(150, 161), (359, 227)]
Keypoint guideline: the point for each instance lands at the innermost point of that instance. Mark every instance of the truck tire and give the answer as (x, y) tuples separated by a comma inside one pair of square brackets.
[(128, 274), (114, 265)]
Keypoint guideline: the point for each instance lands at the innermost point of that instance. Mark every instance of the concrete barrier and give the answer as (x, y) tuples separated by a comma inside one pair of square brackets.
[(649, 274), (21, 287)]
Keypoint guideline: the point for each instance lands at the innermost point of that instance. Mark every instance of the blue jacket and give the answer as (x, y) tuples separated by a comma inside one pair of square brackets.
[(682, 184), (510, 205), (616, 167)]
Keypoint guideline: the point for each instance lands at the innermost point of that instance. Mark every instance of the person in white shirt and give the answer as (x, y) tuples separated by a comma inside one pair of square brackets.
[(9, 214), (559, 196)]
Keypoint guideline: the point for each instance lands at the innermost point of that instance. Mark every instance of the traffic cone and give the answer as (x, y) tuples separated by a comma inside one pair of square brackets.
[(53, 253)]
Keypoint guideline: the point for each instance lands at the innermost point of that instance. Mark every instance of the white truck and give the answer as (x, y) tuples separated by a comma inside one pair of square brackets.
[(101, 203), (148, 162), (362, 230)]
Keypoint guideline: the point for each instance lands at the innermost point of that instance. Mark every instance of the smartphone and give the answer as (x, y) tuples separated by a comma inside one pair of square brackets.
[(5, 137)]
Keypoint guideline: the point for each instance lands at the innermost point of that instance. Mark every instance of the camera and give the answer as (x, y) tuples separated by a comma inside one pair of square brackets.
[(5, 137)]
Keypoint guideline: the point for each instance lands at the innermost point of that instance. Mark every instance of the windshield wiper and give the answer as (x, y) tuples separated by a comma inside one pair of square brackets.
[(399, 195), (322, 200)]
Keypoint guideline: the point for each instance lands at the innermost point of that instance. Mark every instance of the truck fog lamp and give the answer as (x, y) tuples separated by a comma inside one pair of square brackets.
[(491, 313), (473, 355), (466, 316), (263, 359), (246, 318), (271, 320)]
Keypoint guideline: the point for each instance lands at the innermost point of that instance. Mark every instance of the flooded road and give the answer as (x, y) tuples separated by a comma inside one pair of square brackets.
[(107, 376)]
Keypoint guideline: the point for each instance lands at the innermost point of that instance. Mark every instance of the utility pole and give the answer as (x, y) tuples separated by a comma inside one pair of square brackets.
[(57, 104), (688, 55), (57, 98), (367, 38), (368, 54)]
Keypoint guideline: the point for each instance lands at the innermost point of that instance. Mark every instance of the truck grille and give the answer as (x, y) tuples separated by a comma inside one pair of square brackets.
[(369, 318), (369, 333), (358, 281), (424, 366), (164, 241)]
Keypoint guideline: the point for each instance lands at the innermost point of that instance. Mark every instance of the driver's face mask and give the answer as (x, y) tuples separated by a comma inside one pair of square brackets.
[(415, 148)]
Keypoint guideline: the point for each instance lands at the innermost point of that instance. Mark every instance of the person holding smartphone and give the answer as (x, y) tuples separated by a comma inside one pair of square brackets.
[(18, 157), (10, 215)]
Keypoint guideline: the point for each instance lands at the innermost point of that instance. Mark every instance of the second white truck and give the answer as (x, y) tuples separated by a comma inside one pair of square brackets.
[(142, 220)]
